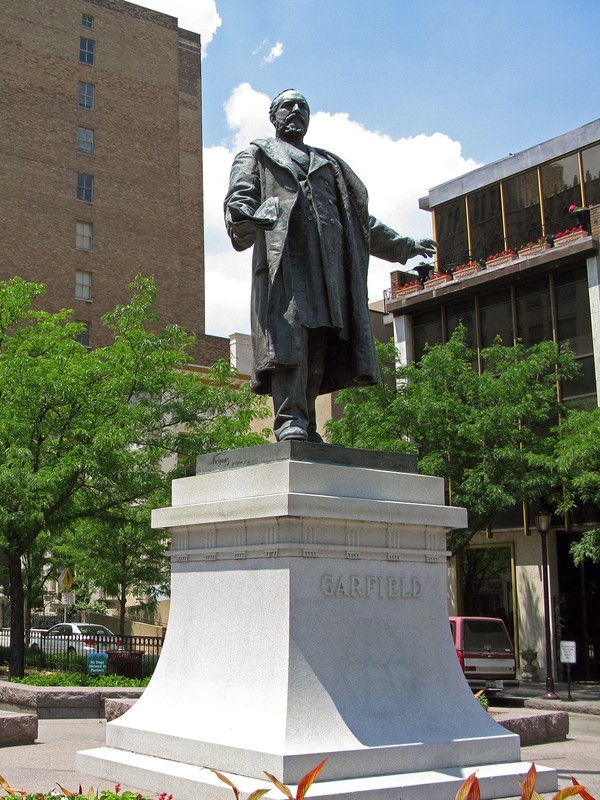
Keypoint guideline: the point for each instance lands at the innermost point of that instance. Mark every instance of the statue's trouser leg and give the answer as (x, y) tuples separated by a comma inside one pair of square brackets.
[(295, 390)]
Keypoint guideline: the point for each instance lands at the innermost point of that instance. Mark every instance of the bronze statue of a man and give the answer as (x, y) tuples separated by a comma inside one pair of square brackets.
[(306, 214)]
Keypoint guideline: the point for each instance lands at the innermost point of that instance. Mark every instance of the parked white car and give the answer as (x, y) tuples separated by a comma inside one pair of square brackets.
[(79, 638)]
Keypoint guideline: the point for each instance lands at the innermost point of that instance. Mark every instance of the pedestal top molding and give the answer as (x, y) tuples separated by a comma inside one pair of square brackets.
[(306, 451), (298, 502)]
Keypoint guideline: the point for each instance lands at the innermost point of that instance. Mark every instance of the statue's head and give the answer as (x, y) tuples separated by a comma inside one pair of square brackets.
[(290, 114)]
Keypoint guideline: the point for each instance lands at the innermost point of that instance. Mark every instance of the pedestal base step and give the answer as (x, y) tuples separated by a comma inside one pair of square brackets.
[(187, 782)]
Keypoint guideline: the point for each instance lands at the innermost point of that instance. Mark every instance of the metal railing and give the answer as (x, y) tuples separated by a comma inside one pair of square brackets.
[(130, 656)]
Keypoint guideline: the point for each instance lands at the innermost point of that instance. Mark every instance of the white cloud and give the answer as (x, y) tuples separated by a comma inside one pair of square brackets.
[(396, 172), (200, 16), (275, 52)]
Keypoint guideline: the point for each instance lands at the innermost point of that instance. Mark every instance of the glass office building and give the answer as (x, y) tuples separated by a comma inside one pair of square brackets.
[(549, 291)]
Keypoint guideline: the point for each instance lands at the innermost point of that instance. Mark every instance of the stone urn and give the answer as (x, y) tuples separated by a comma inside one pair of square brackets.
[(529, 671)]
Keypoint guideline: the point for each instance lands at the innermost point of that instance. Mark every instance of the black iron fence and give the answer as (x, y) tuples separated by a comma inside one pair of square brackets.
[(129, 656)]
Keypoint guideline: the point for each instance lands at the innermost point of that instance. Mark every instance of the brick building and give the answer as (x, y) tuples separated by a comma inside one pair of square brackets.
[(101, 159)]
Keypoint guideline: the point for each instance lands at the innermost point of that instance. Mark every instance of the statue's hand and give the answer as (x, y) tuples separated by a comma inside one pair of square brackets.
[(425, 247)]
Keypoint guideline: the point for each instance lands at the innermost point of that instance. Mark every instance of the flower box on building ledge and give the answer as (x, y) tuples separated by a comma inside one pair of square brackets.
[(533, 248), (500, 259), (566, 237), (466, 270), (437, 279), (409, 288)]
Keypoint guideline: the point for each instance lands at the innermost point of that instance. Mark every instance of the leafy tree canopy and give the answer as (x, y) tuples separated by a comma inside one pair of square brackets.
[(86, 435), (486, 432), (578, 463)]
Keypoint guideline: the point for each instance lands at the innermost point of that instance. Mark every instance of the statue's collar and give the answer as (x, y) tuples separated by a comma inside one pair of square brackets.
[(279, 152)]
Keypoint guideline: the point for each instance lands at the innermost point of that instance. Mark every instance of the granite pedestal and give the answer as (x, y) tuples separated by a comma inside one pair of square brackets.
[(309, 621)]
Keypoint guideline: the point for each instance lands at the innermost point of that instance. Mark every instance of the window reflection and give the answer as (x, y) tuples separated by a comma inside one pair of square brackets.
[(451, 226), (522, 207), (560, 188), (485, 216), (591, 174)]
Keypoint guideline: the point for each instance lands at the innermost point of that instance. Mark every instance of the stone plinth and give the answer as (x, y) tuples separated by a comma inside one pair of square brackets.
[(17, 728), (309, 621)]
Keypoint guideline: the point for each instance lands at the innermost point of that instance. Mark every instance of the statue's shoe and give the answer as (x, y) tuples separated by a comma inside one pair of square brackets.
[(294, 432)]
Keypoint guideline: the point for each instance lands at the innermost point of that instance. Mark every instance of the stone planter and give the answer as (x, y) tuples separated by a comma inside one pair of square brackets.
[(570, 237), (500, 261), (527, 252), (435, 281), (403, 291)]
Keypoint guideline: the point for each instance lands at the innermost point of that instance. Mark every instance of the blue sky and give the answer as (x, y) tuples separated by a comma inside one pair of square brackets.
[(410, 93)]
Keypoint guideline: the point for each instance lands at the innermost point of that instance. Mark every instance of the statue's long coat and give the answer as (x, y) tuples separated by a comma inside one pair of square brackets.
[(265, 170)]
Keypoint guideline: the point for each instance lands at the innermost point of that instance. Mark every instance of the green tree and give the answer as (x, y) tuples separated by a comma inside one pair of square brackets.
[(120, 554), (578, 464), (85, 435), (486, 433)]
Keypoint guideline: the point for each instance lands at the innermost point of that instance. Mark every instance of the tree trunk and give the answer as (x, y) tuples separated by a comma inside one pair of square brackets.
[(16, 664), (122, 605)]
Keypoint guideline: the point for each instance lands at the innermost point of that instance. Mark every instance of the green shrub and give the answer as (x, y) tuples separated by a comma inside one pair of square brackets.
[(78, 679)]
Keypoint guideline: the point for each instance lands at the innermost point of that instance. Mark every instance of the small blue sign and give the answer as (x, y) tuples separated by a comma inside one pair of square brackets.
[(97, 664)]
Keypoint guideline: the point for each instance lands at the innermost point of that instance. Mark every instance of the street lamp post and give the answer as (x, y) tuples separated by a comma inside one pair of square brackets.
[(543, 520)]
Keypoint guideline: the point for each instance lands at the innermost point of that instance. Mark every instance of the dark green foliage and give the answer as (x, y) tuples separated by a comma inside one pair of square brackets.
[(486, 433)]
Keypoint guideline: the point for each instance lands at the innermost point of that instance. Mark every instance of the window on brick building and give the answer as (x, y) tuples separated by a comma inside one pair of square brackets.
[(85, 141), (83, 285), (83, 236), (85, 336), (87, 95), (87, 21), (86, 50), (85, 187)]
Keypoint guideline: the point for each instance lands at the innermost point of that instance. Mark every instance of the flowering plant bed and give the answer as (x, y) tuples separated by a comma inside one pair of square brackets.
[(408, 288), (572, 235), (436, 279), (498, 259), (468, 269), (533, 248)]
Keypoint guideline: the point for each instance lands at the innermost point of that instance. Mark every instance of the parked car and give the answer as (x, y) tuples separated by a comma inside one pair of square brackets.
[(79, 638), (485, 652)]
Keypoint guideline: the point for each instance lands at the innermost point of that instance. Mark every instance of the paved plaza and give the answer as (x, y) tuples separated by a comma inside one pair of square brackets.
[(51, 760)]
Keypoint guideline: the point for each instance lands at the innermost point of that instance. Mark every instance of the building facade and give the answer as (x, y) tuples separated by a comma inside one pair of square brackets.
[(101, 160), (518, 257)]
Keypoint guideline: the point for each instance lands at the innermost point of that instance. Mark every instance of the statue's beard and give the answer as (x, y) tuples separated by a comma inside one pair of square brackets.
[(286, 129)]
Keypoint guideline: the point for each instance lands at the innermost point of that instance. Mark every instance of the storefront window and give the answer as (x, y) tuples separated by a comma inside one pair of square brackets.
[(573, 310), (427, 329), (561, 188), (522, 208), (461, 312), (533, 313), (583, 385), (495, 315)]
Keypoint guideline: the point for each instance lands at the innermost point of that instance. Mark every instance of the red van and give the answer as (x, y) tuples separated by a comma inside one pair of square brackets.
[(485, 651)]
